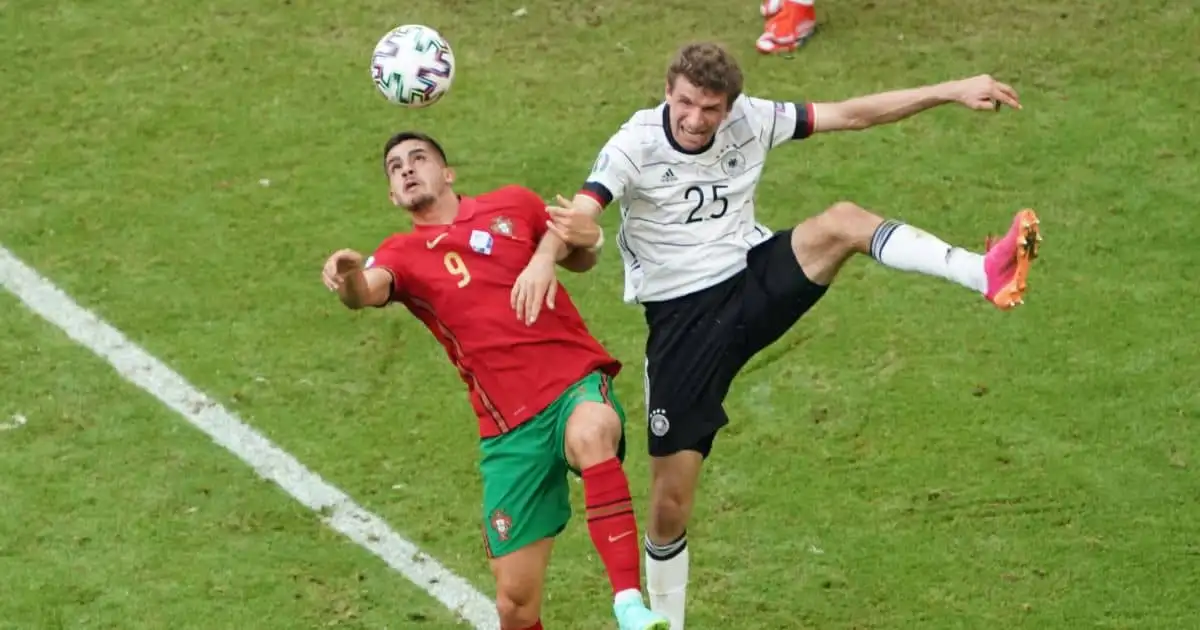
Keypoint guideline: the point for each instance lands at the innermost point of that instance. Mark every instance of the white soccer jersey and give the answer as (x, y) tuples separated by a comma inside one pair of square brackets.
[(687, 218)]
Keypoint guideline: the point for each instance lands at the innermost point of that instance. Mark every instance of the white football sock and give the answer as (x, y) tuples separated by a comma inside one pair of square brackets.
[(667, 577), (907, 248)]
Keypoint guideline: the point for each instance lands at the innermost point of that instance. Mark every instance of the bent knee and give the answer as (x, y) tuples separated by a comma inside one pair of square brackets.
[(824, 241), (844, 210), (516, 610), (845, 221), (593, 434)]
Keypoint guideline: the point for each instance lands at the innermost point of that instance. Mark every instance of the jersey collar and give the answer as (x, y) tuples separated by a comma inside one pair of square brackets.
[(666, 126), (466, 211)]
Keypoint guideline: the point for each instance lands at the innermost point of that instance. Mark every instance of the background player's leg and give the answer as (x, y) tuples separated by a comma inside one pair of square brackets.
[(519, 579), (672, 493), (592, 440), (692, 356), (824, 242)]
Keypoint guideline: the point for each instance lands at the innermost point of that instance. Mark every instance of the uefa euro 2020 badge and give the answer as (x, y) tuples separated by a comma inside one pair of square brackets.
[(482, 242)]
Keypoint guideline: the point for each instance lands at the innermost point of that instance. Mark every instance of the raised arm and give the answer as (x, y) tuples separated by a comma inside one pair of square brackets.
[(979, 93)]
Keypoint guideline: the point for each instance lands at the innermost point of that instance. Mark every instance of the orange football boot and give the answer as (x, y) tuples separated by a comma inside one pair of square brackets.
[(770, 7), (1007, 260), (788, 26)]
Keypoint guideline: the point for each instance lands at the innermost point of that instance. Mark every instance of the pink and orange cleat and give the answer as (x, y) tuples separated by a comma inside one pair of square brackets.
[(1008, 259), (789, 24)]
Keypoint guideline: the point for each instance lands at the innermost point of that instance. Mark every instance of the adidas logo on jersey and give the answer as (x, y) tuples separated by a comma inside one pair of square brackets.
[(669, 176)]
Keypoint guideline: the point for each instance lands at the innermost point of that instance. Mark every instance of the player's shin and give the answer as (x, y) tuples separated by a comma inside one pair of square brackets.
[(667, 578), (612, 524), (907, 248)]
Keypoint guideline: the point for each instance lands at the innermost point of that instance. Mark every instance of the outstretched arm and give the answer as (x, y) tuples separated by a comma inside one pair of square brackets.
[(355, 285), (979, 93)]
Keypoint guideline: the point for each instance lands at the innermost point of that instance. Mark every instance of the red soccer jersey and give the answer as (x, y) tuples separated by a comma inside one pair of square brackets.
[(458, 280)]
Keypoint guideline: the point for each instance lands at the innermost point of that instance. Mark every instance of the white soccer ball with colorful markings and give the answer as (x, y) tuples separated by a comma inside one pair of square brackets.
[(413, 66)]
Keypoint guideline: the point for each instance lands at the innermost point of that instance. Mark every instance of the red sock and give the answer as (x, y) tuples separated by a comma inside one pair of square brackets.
[(536, 626), (612, 524)]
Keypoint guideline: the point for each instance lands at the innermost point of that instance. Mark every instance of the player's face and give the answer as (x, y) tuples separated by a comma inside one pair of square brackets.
[(695, 113), (416, 175)]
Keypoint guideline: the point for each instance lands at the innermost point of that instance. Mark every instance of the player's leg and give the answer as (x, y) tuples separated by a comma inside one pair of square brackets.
[(673, 482), (593, 444), (520, 575), (526, 503), (688, 372), (824, 242)]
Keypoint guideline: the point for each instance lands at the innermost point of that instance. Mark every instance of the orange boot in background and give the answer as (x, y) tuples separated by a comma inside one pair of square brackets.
[(789, 24)]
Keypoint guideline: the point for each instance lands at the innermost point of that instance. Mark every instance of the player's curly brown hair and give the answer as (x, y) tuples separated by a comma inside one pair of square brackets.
[(707, 66)]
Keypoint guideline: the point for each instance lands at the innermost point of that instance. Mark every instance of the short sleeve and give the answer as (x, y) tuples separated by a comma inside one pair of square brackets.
[(388, 257), (777, 122), (615, 169)]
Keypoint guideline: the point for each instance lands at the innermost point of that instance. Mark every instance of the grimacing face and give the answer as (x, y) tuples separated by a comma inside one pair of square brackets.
[(696, 113), (416, 175)]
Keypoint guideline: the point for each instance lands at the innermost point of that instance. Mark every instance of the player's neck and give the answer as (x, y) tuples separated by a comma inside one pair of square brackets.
[(442, 211)]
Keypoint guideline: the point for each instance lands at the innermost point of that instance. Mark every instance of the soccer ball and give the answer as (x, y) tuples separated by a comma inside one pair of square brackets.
[(413, 66)]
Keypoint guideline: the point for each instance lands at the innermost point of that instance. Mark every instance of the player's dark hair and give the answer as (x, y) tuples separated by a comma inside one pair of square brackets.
[(405, 136), (708, 66)]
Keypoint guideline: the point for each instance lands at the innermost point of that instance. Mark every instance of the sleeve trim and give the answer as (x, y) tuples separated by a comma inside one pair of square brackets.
[(597, 191), (804, 121)]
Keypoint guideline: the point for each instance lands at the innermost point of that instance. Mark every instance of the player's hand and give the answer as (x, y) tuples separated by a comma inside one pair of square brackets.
[(575, 228), (536, 284), (342, 263), (983, 93)]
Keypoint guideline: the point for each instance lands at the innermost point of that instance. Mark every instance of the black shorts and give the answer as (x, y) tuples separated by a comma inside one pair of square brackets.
[(699, 342)]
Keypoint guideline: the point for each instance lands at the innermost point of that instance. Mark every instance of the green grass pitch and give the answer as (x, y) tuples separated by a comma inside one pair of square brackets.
[(906, 457)]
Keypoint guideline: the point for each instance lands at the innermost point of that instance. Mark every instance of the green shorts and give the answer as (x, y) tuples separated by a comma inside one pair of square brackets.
[(526, 496)]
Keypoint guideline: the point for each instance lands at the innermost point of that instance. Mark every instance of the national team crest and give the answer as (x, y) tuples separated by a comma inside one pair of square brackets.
[(659, 425), (733, 162), (502, 225), (502, 524)]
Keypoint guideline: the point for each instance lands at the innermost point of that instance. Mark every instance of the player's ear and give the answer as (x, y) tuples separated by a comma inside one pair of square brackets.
[(448, 174)]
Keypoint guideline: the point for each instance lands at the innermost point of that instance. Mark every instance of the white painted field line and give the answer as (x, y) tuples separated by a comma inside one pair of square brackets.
[(273, 463)]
